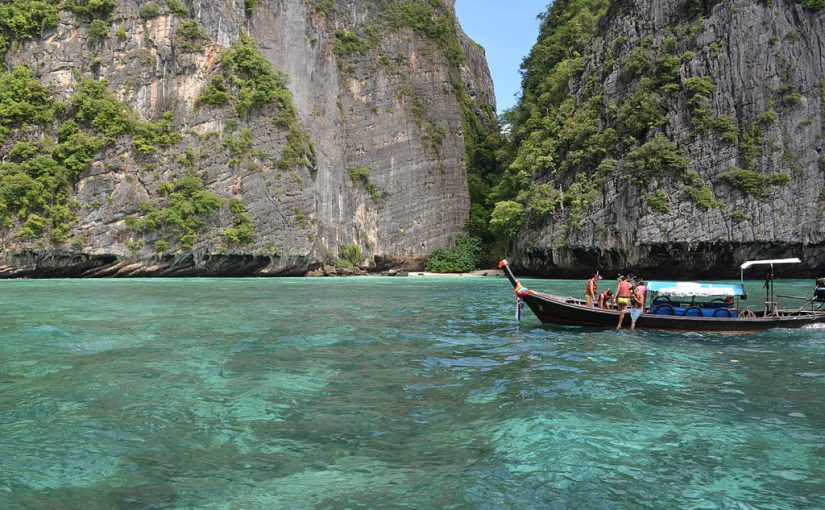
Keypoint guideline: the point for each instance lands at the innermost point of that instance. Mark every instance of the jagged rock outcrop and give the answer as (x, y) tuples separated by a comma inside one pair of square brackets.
[(690, 139), (363, 152)]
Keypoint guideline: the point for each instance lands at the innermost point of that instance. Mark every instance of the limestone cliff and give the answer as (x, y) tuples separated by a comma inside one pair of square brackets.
[(672, 137), (237, 138)]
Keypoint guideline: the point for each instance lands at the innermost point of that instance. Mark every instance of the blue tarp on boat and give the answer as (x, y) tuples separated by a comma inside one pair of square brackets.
[(696, 289)]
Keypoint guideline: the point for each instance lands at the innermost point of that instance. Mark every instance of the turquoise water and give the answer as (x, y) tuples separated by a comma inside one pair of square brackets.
[(390, 393)]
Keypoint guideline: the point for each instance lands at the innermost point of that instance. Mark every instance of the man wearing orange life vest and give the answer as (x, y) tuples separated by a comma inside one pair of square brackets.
[(622, 298)]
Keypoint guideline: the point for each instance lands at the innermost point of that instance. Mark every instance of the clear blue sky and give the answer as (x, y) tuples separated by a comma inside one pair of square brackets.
[(507, 30)]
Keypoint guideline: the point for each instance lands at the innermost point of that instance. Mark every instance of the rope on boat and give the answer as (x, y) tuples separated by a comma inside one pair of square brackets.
[(520, 292)]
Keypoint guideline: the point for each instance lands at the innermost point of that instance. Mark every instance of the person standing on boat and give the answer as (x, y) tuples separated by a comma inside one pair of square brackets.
[(590, 289), (643, 287), (637, 306), (622, 298)]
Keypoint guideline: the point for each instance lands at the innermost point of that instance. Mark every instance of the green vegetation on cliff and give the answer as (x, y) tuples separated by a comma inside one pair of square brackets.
[(182, 217), (751, 182), (148, 11), (177, 8), (183, 213), (814, 5), (325, 7), (347, 43), (23, 101), (97, 108), (190, 35), (249, 81), (25, 19), (249, 6), (655, 158), (558, 134), (600, 107), (92, 8), (257, 83), (35, 183), (361, 174)]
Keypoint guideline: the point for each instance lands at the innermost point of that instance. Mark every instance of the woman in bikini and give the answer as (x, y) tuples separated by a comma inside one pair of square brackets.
[(605, 298)]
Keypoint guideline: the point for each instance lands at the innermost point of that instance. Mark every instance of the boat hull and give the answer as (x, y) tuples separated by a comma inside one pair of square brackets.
[(568, 311)]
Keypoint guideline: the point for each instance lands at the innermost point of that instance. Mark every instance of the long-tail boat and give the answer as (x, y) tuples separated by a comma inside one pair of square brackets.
[(682, 306)]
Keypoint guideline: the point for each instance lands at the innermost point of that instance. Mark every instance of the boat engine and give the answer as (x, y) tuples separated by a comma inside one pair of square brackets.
[(819, 291)]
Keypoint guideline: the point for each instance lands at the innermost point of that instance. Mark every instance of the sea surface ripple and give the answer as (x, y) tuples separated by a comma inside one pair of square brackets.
[(391, 393)]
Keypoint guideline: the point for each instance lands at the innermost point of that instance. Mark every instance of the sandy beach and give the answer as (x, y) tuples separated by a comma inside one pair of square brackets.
[(477, 273)]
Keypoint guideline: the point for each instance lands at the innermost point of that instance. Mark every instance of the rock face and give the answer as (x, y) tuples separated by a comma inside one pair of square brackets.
[(372, 163), (741, 87)]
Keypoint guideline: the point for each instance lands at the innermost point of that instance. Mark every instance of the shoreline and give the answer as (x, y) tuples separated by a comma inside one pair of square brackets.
[(479, 273)]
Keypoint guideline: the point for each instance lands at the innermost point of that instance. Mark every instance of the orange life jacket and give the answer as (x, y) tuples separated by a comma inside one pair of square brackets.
[(624, 289)]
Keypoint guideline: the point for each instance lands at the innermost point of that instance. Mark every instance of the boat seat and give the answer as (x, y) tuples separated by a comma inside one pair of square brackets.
[(693, 311)]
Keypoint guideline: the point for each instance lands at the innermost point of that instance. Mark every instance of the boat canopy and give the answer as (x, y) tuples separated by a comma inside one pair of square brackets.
[(696, 289), (771, 262)]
